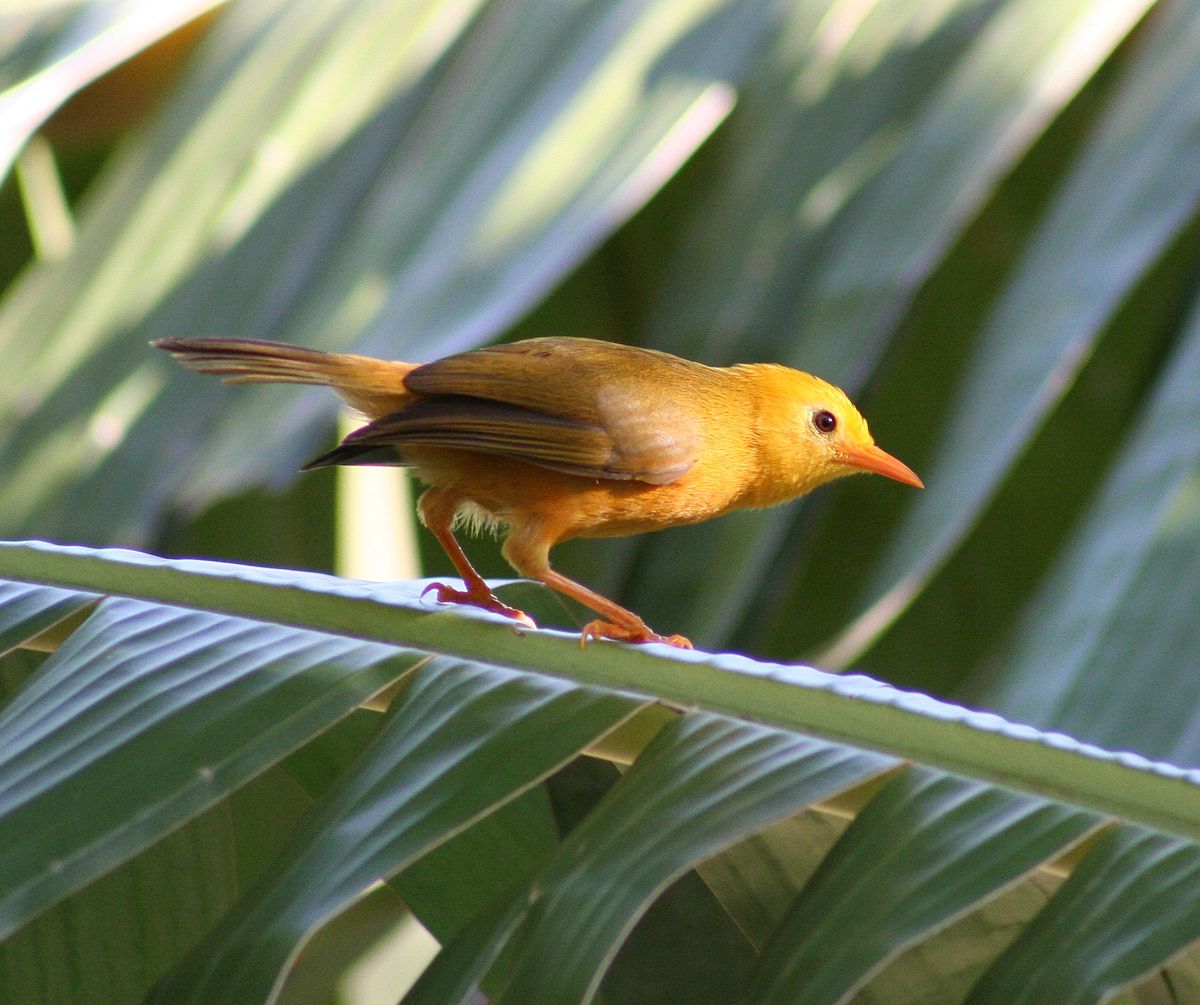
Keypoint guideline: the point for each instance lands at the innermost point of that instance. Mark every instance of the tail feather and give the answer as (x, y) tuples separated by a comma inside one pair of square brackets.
[(375, 387), (250, 360)]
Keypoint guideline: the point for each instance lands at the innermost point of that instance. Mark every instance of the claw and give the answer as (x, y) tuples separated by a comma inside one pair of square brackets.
[(622, 633), (483, 599)]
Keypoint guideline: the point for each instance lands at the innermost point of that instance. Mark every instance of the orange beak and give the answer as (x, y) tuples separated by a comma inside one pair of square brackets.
[(879, 462)]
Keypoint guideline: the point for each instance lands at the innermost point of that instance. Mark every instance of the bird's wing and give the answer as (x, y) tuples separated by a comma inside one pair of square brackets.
[(493, 427), (558, 376), (572, 405)]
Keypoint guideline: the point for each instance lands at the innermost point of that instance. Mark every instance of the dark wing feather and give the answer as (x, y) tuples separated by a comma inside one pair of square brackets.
[(579, 405), (489, 427)]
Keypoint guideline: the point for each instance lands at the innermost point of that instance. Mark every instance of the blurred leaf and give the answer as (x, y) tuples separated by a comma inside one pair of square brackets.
[(1122, 595), (293, 528), (430, 191), (46, 58), (900, 104), (804, 258), (973, 615), (1076, 272)]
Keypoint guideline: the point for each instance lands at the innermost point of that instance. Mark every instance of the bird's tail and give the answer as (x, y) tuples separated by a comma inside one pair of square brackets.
[(373, 386)]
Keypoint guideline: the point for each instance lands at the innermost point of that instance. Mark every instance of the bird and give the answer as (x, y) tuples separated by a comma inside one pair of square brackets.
[(555, 438)]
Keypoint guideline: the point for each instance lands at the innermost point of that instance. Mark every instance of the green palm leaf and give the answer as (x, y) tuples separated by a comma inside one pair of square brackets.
[(163, 710), (463, 739), (1130, 904), (1078, 268), (702, 784), (902, 870), (979, 215)]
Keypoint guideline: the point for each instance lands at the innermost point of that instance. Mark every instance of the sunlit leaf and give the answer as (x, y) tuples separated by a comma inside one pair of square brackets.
[(801, 256), (430, 169), (50, 57)]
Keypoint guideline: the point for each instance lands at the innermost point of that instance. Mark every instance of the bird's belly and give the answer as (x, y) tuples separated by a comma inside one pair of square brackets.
[(510, 492), (637, 508)]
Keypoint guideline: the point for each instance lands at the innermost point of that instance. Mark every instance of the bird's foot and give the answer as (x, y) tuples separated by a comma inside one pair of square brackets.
[(482, 598), (637, 634)]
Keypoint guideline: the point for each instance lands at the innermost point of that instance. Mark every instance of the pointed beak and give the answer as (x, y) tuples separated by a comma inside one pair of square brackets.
[(879, 462)]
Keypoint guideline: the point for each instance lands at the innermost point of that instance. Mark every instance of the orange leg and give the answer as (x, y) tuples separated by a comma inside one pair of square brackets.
[(530, 556), (437, 510)]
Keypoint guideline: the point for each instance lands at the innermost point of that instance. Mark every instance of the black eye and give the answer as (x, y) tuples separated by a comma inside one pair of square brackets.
[(825, 422)]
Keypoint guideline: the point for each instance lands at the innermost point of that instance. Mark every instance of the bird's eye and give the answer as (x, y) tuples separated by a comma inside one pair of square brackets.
[(824, 421)]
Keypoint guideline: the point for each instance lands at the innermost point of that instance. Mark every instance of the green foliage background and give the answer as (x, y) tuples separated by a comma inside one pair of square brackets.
[(978, 216)]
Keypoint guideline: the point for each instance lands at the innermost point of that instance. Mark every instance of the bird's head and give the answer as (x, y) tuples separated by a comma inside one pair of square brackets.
[(838, 431), (826, 436)]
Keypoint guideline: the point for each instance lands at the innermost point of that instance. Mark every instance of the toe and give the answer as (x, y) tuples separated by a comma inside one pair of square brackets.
[(485, 600), (636, 634)]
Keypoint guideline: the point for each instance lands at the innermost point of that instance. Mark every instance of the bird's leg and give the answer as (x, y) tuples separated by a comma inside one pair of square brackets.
[(437, 509), (531, 557), (615, 621)]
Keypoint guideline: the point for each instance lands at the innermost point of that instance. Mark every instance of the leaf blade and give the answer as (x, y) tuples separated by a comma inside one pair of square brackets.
[(1127, 908), (702, 784), (926, 849), (849, 709), (418, 785), (1076, 272), (143, 718)]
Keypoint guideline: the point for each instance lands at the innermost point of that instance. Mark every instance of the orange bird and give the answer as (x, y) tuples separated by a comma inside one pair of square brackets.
[(558, 438)]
